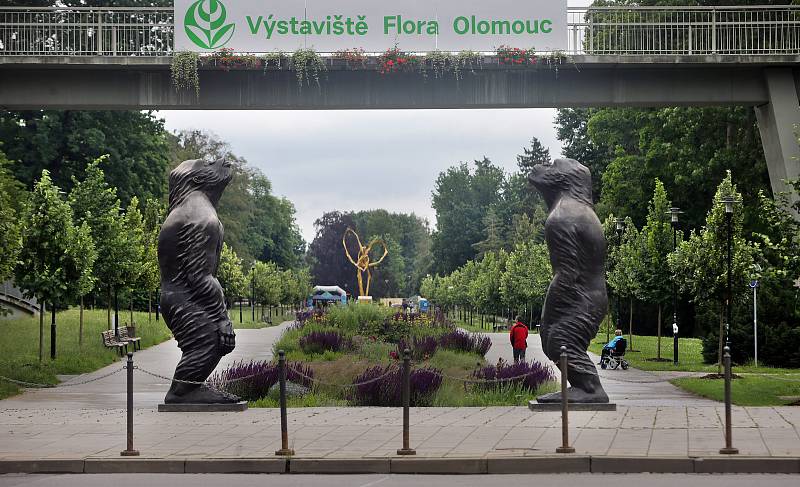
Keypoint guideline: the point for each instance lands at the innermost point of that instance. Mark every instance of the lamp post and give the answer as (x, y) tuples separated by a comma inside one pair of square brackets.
[(674, 213), (729, 201), (253, 290), (619, 225), (754, 285)]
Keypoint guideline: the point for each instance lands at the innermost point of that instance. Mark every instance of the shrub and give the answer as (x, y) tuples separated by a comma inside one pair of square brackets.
[(252, 380), (387, 391), (422, 348), (318, 342), (465, 342), (530, 375)]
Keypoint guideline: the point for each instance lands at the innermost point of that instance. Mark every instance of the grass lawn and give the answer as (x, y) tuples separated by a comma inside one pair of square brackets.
[(247, 318), (747, 391), (19, 346)]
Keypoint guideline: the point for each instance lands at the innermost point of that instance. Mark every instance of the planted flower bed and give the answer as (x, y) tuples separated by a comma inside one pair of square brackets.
[(355, 353)]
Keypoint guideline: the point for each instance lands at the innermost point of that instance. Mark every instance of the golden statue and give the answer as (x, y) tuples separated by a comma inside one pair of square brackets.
[(363, 264)]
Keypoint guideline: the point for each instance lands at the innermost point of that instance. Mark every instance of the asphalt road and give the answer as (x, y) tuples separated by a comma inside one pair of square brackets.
[(563, 480)]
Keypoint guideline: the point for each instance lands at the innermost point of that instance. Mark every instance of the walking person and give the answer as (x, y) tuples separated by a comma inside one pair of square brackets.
[(519, 339)]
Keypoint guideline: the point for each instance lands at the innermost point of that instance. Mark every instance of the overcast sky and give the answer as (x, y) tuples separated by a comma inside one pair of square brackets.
[(360, 160)]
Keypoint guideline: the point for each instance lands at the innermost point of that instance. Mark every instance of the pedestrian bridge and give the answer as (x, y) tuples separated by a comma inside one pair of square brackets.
[(120, 58)]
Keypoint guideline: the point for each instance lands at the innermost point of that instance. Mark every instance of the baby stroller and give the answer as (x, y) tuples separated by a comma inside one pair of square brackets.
[(616, 357)]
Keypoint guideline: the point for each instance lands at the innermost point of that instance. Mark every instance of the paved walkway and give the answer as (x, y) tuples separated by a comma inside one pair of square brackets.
[(88, 421)]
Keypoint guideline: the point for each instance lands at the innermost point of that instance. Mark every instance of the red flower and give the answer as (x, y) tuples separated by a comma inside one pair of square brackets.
[(390, 62)]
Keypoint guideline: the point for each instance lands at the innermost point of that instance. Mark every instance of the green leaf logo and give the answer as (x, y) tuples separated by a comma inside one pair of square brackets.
[(205, 24)]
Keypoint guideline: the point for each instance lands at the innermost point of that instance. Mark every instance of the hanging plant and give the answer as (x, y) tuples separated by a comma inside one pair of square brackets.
[(274, 59), (184, 71), (354, 58), (555, 59), (467, 60), (515, 56), (308, 65), (439, 62)]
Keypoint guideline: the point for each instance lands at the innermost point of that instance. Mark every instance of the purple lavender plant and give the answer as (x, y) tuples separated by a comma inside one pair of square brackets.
[(530, 375), (421, 348), (252, 380), (387, 392), (321, 341), (461, 341)]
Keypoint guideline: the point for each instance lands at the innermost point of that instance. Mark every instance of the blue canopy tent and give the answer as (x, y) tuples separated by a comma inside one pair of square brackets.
[(328, 294)]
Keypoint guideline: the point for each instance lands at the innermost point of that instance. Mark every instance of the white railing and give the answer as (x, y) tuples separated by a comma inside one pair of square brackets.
[(146, 31)]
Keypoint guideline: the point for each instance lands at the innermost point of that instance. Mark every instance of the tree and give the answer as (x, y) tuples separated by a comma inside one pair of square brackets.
[(624, 265), (266, 279), (46, 267), (700, 263), (94, 202), (83, 253), (66, 142), (12, 200), (527, 276), (326, 257), (230, 274), (656, 281), (150, 276), (537, 154), (133, 257), (495, 234)]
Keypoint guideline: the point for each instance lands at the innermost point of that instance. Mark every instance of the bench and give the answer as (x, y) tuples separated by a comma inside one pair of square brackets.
[(128, 334), (111, 341)]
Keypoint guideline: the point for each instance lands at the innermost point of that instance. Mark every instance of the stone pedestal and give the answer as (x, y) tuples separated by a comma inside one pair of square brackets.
[(203, 408), (364, 299), (573, 406)]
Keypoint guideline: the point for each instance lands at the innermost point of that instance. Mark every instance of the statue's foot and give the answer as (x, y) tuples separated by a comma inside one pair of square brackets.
[(575, 395), (201, 395)]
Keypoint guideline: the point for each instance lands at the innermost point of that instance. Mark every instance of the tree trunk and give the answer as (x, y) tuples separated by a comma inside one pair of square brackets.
[(721, 339), (658, 354), (80, 325), (42, 311), (130, 301), (630, 325)]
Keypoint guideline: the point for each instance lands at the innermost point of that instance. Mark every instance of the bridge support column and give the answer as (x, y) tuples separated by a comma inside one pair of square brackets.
[(779, 124)]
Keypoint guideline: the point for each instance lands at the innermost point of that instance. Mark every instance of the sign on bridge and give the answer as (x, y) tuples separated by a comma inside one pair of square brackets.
[(373, 25)]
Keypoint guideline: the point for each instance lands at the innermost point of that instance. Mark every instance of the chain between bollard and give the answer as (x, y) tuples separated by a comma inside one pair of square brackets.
[(130, 451), (285, 451), (565, 447), (406, 450), (729, 449)]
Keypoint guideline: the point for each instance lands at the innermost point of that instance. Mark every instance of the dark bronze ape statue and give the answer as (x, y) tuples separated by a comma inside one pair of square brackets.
[(192, 300), (576, 299)]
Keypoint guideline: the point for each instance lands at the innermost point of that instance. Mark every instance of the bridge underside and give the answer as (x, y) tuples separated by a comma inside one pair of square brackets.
[(769, 83)]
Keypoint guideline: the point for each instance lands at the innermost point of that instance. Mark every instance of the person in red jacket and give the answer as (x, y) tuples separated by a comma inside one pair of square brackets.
[(519, 339)]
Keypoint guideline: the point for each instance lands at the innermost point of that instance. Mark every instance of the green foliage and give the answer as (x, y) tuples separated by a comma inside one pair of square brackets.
[(526, 277), (47, 267), (10, 221), (266, 279), (746, 391), (67, 142), (230, 274), (184, 69), (536, 154)]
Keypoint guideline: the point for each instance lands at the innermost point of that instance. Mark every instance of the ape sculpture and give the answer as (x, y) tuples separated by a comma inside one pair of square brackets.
[(576, 300), (192, 300)]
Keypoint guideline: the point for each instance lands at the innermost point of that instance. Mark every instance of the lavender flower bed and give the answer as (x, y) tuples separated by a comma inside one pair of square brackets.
[(534, 375), (461, 341), (387, 391), (421, 348), (252, 380), (321, 341)]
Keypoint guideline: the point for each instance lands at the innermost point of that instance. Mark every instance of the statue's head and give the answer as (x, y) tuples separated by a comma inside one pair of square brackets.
[(208, 176), (562, 177)]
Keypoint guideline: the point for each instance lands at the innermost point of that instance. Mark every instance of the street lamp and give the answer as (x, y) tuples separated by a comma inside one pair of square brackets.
[(729, 202), (619, 225), (754, 284), (253, 290), (674, 214)]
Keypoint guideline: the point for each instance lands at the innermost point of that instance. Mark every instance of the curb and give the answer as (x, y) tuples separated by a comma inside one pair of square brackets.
[(422, 465)]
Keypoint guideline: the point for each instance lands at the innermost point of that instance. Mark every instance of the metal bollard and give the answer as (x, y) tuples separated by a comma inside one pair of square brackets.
[(564, 448), (406, 450), (729, 449), (130, 452), (285, 451)]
